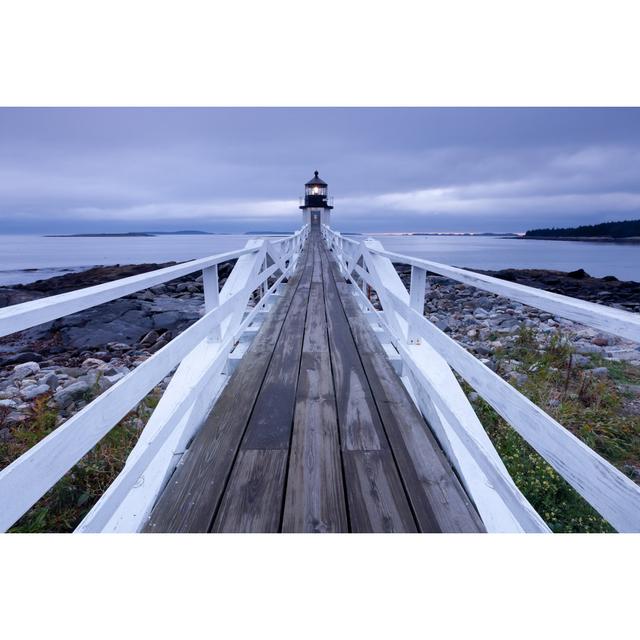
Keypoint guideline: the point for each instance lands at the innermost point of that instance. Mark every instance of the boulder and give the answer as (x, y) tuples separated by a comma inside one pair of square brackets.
[(21, 371), (34, 391), (75, 391), (51, 380)]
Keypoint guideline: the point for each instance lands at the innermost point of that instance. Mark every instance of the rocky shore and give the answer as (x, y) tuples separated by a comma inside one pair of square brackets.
[(484, 322), (70, 360)]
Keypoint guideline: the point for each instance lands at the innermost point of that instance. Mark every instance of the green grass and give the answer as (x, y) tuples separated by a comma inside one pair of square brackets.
[(62, 508), (591, 408)]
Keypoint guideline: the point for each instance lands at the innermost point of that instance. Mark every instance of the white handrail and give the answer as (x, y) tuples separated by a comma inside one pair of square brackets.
[(608, 490), (608, 319), (29, 314), (26, 479)]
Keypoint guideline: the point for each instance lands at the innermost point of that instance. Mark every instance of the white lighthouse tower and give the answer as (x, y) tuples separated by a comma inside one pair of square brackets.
[(316, 209)]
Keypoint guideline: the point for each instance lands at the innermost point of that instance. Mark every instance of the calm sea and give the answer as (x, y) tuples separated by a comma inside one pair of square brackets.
[(28, 258)]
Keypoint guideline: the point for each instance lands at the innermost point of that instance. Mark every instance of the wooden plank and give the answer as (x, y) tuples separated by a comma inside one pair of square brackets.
[(254, 488), (360, 425), (272, 418), (314, 499), (375, 495), (439, 502), (254, 497), (373, 488), (192, 496)]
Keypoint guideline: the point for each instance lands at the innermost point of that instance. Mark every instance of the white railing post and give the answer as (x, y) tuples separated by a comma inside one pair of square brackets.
[(211, 294), (416, 300)]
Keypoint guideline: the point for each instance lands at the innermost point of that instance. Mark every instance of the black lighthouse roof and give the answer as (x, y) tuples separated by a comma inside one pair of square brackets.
[(316, 181)]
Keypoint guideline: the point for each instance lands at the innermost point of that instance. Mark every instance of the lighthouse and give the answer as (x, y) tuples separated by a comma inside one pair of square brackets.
[(316, 209)]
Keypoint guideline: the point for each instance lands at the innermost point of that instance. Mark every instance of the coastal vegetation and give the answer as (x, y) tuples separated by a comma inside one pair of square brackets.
[(612, 230), (596, 404)]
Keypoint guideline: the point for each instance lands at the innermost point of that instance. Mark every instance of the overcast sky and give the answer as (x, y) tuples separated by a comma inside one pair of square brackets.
[(78, 170)]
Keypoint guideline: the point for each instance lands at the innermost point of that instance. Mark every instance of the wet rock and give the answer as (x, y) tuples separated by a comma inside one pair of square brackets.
[(172, 319), (19, 358), (579, 274)]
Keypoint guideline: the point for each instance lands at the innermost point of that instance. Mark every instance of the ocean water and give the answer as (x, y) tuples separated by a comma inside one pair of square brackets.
[(29, 258)]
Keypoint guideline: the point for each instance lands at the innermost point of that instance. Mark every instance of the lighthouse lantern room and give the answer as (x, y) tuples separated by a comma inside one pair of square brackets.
[(316, 209)]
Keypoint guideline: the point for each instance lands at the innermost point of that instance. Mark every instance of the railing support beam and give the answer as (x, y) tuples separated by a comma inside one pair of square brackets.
[(416, 300)]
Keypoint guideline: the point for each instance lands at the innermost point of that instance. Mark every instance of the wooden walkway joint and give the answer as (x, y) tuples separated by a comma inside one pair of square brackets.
[(314, 432)]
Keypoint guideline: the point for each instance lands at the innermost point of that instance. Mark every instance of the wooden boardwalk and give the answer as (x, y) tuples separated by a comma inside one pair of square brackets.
[(314, 432)]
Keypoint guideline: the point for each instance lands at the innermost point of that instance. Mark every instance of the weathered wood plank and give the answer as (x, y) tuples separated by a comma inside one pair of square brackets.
[(438, 500), (373, 490), (272, 418), (254, 488), (193, 494), (253, 500), (360, 424), (375, 495), (314, 499)]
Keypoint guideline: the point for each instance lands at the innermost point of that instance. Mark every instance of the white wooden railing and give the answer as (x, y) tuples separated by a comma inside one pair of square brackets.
[(428, 356), (200, 354)]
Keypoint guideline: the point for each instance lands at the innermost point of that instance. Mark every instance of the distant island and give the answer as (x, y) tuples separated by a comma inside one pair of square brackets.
[(465, 234), (624, 231), (132, 234)]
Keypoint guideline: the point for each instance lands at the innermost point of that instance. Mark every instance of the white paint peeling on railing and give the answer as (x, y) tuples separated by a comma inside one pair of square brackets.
[(25, 480), (609, 491)]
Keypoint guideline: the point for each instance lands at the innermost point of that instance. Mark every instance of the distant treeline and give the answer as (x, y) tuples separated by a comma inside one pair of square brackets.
[(624, 229)]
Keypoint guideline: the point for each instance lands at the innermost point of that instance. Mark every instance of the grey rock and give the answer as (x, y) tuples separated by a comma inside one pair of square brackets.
[(9, 392), (51, 380), (8, 404), (75, 391), (15, 417), (92, 362), (25, 369), (600, 372), (34, 391), (579, 360), (150, 338), (586, 348), (5, 435)]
